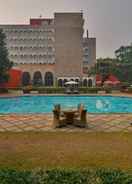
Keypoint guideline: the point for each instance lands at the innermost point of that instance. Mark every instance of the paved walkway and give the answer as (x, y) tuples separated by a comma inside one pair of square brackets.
[(43, 122)]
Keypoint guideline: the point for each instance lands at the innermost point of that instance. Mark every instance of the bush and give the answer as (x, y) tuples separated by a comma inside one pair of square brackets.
[(89, 89), (108, 89), (124, 86), (129, 90), (3, 90), (8, 176), (49, 90), (57, 176), (61, 90)]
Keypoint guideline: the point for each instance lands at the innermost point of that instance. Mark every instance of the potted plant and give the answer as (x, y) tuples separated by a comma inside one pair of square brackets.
[(27, 89)]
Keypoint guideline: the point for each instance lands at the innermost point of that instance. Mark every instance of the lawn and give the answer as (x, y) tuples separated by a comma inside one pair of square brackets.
[(31, 150)]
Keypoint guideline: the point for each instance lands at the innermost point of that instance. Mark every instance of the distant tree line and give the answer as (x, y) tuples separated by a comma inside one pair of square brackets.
[(120, 66)]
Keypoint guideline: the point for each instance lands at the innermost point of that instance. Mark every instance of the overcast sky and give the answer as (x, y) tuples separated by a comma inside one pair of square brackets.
[(110, 21)]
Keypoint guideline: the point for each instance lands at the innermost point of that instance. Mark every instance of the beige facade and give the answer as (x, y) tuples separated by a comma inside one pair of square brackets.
[(51, 49), (89, 53), (68, 44)]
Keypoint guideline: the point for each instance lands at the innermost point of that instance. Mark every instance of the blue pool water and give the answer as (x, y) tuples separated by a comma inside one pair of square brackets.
[(45, 104)]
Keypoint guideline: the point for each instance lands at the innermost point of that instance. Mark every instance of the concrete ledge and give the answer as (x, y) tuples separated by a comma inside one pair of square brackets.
[(101, 92), (34, 92)]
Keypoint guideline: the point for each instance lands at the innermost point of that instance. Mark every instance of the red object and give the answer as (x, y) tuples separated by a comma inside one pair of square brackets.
[(14, 78), (111, 80), (38, 22), (98, 79), (108, 82)]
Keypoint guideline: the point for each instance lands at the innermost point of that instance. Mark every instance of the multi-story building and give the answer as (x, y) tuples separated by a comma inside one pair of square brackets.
[(51, 51)]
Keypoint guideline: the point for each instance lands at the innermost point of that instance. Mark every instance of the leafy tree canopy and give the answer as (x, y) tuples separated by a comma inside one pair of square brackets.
[(5, 63), (121, 69), (124, 54)]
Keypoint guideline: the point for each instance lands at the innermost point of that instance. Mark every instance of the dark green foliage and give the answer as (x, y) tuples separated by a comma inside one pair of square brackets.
[(5, 63), (123, 72), (3, 90), (44, 90), (59, 176), (129, 90), (53, 90), (62, 177), (82, 90), (103, 67), (8, 176), (92, 90), (113, 177), (50, 90), (124, 54), (121, 66)]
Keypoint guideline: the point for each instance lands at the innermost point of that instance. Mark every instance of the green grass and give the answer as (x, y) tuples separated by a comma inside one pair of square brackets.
[(66, 150)]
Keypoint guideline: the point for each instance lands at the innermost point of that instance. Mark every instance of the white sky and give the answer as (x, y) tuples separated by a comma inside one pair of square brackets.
[(110, 21)]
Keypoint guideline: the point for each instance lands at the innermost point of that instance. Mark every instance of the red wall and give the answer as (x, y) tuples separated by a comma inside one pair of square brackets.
[(38, 22), (15, 78)]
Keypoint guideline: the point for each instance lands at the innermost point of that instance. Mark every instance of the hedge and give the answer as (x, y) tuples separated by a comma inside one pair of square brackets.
[(3, 90), (129, 90), (83, 90), (59, 90), (57, 176)]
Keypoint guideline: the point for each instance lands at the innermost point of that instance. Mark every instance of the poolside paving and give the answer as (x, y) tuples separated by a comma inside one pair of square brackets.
[(43, 122)]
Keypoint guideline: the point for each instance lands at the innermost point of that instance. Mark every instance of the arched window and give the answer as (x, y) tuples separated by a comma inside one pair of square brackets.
[(85, 83), (65, 80), (60, 83), (37, 78), (49, 81), (26, 78), (90, 83), (77, 80)]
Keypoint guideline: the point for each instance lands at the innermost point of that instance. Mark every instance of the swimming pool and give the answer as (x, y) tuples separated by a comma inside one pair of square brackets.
[(45, 104)]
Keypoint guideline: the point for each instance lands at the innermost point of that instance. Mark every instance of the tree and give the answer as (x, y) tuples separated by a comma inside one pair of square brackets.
[(103, 67), (124, 54), (5, 63), (124, 69), (120, 66)]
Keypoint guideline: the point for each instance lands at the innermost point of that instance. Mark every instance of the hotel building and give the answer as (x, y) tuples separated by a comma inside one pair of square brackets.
[(52, 51)]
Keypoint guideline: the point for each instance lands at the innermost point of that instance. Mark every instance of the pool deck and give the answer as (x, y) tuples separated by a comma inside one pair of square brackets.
[(43, 122)]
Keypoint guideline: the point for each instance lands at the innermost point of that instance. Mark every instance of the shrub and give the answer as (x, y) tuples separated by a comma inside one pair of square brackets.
[(49, 90), (8, 176), (108, 89), (129, 90), (3, 90), (108, 176), (89, 89), (61, 176)]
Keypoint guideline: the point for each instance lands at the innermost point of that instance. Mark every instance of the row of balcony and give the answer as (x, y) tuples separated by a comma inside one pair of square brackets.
[(32, 36), (27, 30), (31, 53), (30, 39), (32, 56), (30, 45), (18, 61)]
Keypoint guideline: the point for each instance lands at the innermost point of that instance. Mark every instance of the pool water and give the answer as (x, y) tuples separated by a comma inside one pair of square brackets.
[(45, 104)]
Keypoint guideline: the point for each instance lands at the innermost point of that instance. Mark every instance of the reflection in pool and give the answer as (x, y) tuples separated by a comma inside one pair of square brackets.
[(104, 105), (44, 104)]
